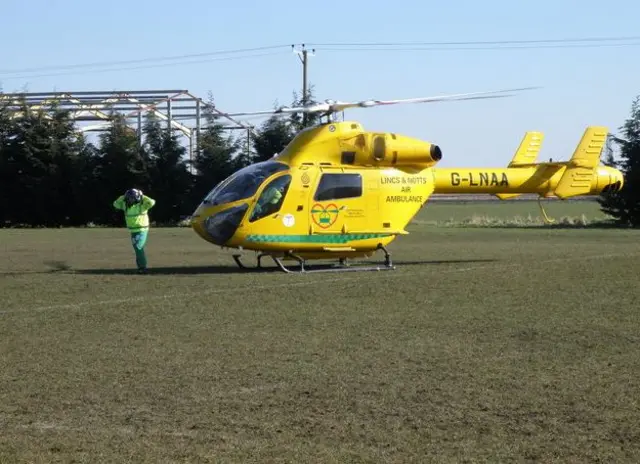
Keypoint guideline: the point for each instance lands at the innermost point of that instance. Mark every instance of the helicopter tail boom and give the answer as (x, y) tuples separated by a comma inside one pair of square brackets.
[(581, 175), (526, 154)]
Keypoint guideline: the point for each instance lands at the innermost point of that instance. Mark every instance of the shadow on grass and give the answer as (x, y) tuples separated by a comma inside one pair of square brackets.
[(54, 267), (177, 270), (233, 269)]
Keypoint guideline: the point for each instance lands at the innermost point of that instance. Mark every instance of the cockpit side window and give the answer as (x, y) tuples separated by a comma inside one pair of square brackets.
[(244, 183), (271, 199)]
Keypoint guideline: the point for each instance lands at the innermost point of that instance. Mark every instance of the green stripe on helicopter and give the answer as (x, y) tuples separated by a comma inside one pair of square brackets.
[(320, 238)]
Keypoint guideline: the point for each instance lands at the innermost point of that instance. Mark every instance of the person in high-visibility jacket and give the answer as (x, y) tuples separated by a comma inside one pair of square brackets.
[(136, 206), (272, 196)]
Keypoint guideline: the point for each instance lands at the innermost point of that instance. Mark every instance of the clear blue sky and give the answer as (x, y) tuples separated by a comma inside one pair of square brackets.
[(581, 86)]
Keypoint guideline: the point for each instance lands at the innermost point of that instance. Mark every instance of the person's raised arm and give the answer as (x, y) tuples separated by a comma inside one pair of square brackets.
[(119, 203), (147, 202)]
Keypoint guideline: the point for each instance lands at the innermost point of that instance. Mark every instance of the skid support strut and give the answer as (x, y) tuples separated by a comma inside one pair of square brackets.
[(341, 266), (241, 265), (545, 217)]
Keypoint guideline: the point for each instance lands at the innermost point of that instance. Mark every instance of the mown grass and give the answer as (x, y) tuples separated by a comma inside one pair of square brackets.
[(486, 344)]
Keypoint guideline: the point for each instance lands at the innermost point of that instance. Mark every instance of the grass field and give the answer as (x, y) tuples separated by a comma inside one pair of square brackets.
[(486, 344)]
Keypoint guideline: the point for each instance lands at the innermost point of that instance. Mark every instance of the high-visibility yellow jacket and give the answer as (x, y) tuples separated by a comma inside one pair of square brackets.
[(272, 195), (136, 216)]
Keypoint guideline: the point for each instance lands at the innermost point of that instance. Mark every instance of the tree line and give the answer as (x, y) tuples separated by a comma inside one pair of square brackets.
[(52, 176)]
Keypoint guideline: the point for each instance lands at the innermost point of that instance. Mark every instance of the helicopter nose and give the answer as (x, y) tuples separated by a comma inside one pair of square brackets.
[(219, 227)]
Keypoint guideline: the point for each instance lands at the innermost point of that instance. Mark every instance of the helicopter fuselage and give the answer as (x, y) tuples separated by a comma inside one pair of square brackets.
[(337, 191), (330, 210)]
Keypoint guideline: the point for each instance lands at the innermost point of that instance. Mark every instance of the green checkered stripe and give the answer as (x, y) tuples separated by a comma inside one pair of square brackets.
[(321, 238)]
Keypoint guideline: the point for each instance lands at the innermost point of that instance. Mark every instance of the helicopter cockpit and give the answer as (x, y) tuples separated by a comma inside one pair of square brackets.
[(243, 183), (271, 198), (222, 223)]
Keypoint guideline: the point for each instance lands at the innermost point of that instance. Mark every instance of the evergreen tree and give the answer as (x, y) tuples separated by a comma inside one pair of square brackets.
[(271, 138), (6, 178), (245, 154), (169, 178), (85, 186), (624, 205), (276, 132), (301, 121), (214, 160), (72, 158), (40, 156), (120, 166), (51, 176)]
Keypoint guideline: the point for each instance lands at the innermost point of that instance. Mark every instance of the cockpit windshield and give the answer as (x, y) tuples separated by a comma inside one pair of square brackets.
[(244, 183)]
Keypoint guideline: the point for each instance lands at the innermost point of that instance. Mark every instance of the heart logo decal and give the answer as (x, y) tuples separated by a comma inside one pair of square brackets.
[(324, 216)]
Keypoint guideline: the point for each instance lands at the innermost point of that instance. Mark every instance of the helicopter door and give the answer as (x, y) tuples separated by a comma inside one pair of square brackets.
[(372, 194), (338, 203)]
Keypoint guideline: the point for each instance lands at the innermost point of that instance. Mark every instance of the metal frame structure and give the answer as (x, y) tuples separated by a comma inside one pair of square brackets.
[(181, 110)]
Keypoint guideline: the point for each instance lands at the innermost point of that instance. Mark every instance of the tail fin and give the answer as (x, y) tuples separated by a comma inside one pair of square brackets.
[(526, 154), (577, 176)]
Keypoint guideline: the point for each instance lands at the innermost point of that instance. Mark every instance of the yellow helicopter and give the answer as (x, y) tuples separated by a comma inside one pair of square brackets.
[(339, 192)]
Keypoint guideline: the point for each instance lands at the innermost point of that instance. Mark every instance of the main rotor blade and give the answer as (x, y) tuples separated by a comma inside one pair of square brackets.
[(337, 106), (318, 108)]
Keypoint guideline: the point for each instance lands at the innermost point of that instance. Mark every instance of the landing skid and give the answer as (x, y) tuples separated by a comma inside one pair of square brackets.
[(341, 266)]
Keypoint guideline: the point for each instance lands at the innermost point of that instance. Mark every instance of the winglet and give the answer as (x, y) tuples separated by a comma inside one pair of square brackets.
[(577, 177), (526, 154)]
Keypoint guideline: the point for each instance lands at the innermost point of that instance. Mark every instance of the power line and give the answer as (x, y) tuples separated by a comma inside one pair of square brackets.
[(341, 45), (128, 68), (141, 60), (585, 42), (526, 47), (475, 42)]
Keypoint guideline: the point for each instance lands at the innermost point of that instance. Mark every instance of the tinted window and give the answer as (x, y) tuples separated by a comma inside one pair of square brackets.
[(243, 183), (271, 199), (223, 225), (337, 186)]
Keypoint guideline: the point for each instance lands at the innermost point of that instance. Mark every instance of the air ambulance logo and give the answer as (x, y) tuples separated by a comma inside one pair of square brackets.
[(325, 216)]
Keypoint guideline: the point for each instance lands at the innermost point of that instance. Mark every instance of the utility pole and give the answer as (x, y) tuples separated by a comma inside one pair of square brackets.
[(303, 54), (248, 143)]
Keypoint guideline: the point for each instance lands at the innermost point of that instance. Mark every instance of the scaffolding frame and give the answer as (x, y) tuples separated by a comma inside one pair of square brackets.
[(94, 111)]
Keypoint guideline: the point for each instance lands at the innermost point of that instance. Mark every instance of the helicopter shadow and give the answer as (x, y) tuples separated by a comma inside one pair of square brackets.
[(232, 269), (179, 270), (443, 261)]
